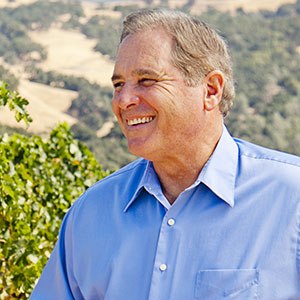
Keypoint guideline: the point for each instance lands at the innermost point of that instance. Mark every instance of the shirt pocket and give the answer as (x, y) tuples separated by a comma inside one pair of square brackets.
[(241, 284)]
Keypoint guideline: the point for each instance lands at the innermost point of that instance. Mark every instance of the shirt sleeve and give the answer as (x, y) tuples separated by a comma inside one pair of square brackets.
[(56, 279)]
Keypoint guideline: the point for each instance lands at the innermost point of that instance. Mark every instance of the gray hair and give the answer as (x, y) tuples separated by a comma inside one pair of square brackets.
[(198, 49)]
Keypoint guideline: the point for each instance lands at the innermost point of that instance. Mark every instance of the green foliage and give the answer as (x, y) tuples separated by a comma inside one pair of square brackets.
[(92, 101), (111, 150), (55, 79), (93, 104), (11, 130), (265, 51), (188, 5), (127, 9), (92, 108), (264, 48), (39, 180), (14, 40), (15, 43), (72, 23), (42, 13), (107, 31), (15, 102)]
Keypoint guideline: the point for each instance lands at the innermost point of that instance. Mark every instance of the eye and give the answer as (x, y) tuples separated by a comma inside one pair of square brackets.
[(118, 86), (147, 81)]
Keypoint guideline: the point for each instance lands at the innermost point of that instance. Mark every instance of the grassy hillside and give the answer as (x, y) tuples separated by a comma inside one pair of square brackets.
[(73, 49)]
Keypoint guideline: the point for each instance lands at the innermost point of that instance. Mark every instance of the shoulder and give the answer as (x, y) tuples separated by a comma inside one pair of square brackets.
[(128, 174), (120, 185), (253, 151), (267, 162)]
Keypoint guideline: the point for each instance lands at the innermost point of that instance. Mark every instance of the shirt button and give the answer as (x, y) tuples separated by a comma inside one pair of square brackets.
[(171, 222), (163, 267)]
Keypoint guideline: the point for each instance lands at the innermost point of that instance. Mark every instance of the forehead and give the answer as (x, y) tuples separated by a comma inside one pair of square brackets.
[(150, 49)]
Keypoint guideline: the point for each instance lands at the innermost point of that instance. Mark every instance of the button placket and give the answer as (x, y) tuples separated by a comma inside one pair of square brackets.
[(160, 278)]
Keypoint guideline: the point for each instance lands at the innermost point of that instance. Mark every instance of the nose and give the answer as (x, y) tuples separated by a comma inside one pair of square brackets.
[(127, 98)]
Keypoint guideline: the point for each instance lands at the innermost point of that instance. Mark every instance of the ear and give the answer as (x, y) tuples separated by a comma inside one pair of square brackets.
[(214, 84)]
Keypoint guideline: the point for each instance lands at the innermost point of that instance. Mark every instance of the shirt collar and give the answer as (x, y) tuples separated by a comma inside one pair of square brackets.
[(144, 182), (218, 174)]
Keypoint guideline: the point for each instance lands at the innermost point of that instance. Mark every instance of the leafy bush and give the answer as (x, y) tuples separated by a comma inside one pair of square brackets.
[(15, 102), (39, 180)]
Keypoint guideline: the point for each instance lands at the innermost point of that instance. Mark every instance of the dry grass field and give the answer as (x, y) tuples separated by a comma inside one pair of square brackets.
[(16, 3), (92, 8), (47, 107), (71, 53)]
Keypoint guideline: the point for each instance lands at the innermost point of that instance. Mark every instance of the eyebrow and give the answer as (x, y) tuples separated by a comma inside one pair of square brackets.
[(147, 72), (139, 72), (116, 77)]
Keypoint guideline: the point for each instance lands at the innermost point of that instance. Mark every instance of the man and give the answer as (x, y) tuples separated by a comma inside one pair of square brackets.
[(201, 215)]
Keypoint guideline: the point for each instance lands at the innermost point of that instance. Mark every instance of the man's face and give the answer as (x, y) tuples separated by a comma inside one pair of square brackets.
[(158, 113)]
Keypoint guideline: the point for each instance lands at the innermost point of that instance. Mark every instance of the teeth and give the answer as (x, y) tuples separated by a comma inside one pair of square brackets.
[(137, 121)]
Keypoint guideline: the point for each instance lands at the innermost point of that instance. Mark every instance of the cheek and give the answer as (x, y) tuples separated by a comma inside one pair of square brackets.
[(122, 126), (114, 105), (116, 110), (117, 113)]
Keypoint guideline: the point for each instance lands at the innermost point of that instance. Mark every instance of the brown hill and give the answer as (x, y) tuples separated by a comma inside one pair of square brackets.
[(232, 5), (70, 52), (47, 107)]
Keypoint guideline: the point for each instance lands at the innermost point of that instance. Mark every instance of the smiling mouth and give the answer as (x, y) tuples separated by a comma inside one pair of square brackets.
[(138, 121)]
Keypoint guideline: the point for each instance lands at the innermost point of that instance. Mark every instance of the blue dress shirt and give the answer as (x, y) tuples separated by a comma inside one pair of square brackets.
[(233, 234)]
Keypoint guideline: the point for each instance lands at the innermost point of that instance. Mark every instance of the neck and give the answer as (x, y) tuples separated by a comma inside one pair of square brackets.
[(179, 171)]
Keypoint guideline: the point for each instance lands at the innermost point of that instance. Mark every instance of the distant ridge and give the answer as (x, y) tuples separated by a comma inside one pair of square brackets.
[(202, 5)]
